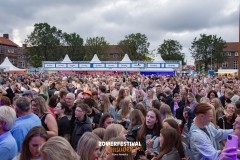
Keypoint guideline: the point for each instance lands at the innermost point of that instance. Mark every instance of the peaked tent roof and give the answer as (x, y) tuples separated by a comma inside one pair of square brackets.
[(126, 59), (66, 59), (158, 58), (9, 66), (95, 59)]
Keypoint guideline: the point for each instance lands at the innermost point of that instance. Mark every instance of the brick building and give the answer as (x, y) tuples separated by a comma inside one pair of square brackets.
[(114, 54), (232, 53), (11, 50)]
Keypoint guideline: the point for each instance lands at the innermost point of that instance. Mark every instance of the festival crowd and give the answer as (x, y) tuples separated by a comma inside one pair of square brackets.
[(65, 117)]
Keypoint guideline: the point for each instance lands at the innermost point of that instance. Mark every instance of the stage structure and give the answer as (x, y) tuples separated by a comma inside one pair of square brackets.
[(158, 66)]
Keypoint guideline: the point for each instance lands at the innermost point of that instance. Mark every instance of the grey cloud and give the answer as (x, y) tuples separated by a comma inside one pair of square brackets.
[(158, 20)]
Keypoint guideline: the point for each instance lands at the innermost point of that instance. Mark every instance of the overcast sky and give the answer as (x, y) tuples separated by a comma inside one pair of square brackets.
[(181, 20)]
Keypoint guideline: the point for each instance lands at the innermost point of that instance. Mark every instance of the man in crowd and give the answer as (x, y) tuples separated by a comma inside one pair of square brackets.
[(226, 98), (62, 95), (203, 135), (70, 98), (93, 114), (87, 94), (28, 94), (160, 95), (8, 145), (12, 90), (82, 124), (168, 100), (26, 120)]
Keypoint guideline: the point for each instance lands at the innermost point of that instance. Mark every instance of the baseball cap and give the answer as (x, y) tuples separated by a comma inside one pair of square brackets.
[(87, 92), (27, 92), (117, 84)]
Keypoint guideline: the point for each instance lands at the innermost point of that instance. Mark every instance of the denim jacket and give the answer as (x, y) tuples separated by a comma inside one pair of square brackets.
[(204, 147)]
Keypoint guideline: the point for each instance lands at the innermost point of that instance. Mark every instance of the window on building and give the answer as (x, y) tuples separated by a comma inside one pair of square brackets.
[(228, 53), (115, 56), (21, 64), (236, 53), (235, 64), (12, 61), (10, 50), (225, 64)]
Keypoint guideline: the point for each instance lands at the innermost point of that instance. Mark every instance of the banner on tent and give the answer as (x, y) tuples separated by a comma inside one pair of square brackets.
[(111, 65)]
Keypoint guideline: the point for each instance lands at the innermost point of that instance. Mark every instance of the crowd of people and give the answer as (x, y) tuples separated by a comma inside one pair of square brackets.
[(65, 117)]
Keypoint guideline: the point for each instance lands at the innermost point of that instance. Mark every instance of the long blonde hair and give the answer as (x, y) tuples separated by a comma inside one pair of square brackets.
[(126, 110), (165, 112), (58, 148), (113, 130), (87, 144), (106, 104), (41, 105)]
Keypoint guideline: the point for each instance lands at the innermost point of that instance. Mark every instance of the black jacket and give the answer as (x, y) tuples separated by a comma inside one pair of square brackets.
[(96, 116), (176, 89), (132, 135), (168, 100), (179, 111), (223, 99), (80, 127)]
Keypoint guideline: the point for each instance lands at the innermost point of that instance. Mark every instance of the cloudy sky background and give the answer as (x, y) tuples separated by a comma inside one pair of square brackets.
[(181, 20)]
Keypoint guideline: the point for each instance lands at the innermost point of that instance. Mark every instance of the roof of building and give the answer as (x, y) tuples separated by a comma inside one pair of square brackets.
[(7, 42), (231, 47), (112, 49)]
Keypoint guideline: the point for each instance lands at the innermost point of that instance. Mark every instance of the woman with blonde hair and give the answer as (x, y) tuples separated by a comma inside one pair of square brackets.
[(105, 106), (149, 97), (99, 132), (137, 119), (165, 112), (121, 96), (188, 115), (127, 153), (57, 148), (218, 107), (88, 146), (123, 115), (114, 130), (40, 108), (44, 90)]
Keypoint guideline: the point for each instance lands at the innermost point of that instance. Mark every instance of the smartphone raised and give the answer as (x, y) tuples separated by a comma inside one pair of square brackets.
[(232, 142)]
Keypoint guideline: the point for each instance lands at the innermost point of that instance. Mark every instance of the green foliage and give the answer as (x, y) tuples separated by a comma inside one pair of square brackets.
[(171, 50), (135, 45), (207, 47), (73, 46), (44, 42), (36, 61), (96, 45)]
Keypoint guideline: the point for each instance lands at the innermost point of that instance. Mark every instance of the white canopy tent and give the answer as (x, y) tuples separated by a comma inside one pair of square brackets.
[(8, 66), (126, 59), (66, 59), (158, 58), (95, 59)]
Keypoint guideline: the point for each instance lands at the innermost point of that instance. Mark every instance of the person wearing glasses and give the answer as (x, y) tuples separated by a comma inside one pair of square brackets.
[(82, 124)]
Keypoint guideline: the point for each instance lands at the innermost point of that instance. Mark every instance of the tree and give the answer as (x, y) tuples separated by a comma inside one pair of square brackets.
[(73, 46), (96, 45), (36, 61), (44, 42), (171, 50), (207, 50), (135, 45)]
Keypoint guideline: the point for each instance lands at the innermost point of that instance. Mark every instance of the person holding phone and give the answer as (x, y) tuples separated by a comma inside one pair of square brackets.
[(203, 135)]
